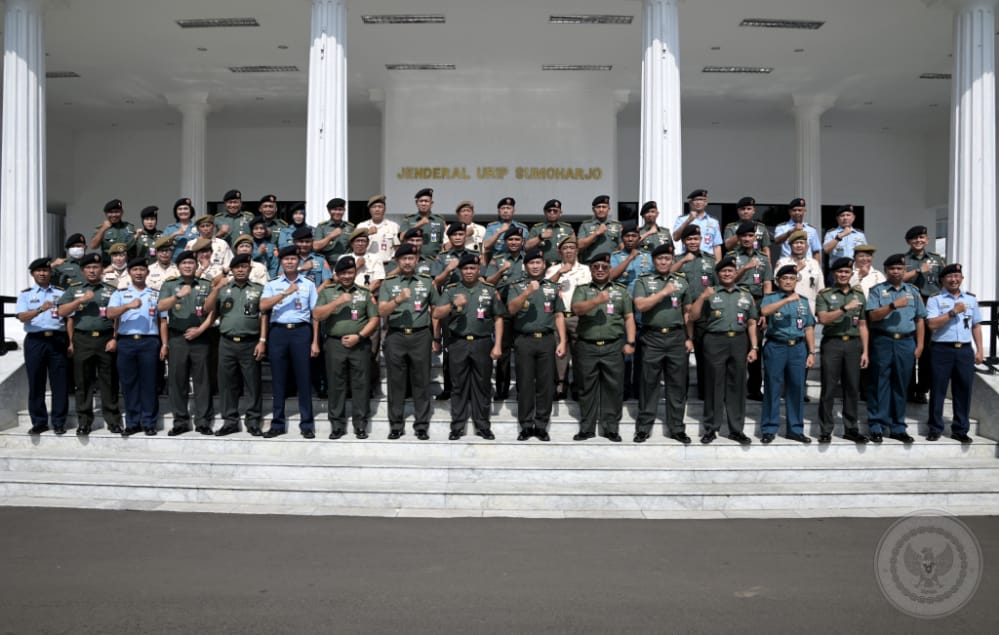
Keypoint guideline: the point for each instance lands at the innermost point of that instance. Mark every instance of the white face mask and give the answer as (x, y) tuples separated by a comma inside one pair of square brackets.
[(76, 252)]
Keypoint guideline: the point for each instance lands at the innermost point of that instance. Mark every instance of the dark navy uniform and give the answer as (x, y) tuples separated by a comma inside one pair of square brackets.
[(785, 354), (290, 348), (45, 345), (953, 358), (138, 352)]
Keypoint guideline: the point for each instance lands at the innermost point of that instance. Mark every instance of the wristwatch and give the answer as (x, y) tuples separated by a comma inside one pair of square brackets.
[(629, 343), (951, 313)]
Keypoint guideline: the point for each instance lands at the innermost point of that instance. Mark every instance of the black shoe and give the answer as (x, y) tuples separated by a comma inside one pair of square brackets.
[(227, 429), (806, 399), (150, 432), (40, 428), (444, 396), (501, 396), (322, 394), (127, 432), (205, 430), (561, 395), (525, 434), (767, 438), (176, 430), (422, 435), (308, 434), (454, 436), (917, 397), (800, 438), (583, 436), (877, 437), (575, 395), (612, 436), (114, 428), (740, 438), (681, 437), (485, 434), (901, 436), (257, 432), (641, 437), (933, 436), (856, 437), (825, 438), (82, 431), (708, 438), (59, 430), (270, 434), (336, 434), (755, 396), (541, 435), (361, 434), (962, 437), (395, 434)]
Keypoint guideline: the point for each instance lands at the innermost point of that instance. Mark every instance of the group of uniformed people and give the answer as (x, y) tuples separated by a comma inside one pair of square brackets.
[(208, 299)]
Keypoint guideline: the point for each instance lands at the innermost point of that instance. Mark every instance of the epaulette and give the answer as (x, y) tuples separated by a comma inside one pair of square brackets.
[(109, 285), (57, 288), (648, 275), (171, 278), (25, 290), (283, 223), (619, 284), (537, 225), (677, 273), (858, 288), (394, 275), (493, 286), (452, 285), (75, 284), (425, 275), (742, 288)]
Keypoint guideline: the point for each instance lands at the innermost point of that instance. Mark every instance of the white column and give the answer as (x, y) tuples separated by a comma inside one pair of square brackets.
[(22, 186), (972, 235), (808, 111), (326, 158), (660, 163), (193, 109)]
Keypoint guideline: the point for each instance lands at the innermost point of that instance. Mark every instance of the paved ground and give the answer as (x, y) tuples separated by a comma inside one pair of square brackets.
[(83, 571)]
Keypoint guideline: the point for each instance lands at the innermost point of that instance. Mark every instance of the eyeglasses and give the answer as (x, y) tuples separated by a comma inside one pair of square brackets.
[(600, 265)]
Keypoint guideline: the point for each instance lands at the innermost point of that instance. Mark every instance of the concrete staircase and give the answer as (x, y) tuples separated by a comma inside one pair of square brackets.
[(473, 477)]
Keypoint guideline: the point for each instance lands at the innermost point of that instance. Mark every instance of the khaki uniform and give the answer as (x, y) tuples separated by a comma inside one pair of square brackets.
[(534, 344), (726, 344), (238, 308), (348, 366)]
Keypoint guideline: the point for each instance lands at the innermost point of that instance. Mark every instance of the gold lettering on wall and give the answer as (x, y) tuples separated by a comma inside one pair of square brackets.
[(496, 172)]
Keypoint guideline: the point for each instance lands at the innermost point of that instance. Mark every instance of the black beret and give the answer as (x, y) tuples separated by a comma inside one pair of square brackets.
[(302, 233), (697, 194), (241, 259), (629, 227), (182, 201), (600, 258), (533, 254), (841, 263), (894, 259), (603, 199), (786, 270), (455, 227), (335, 203), (512, 232), (75, 239), (297, 207), (747, 227), (690, 230), (257, 220), (345, 263), (665, 248), (288, 250), (149, 211), (187, 254), (552, 204), (651, 205), (797, 202), (92, 258), (951, 268), (232, 194), (746, 201), (406, 249), (427, 191), (137, 262), (268, 198), (844, 208), (414, 232), (114, 203), (468, 258), (40, 263), (918, 230), (726, 262), (506, 200)]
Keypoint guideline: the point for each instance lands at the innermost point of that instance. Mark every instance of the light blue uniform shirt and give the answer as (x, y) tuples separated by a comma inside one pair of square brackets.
[(639, 266), (902, 319), (711, 234), (141, 321), (791, 320), (957, 329), (813, 238), (845, 247), (179, 242), (34, 297), (499, 247), (296, 307)]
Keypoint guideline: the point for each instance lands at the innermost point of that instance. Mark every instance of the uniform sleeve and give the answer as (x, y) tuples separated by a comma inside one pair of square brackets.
[(920, 307), (628, 305), (579, 295), (754, 311), (116, 299), (269, 291), (729, 231), (813, 240), (640, 290), (585, 229), (22, 301), (325, 296), (821, 303), (313, 296), (873, 299), (809, 317), (435, 296), (765, 241), (444, 297), (718, 240), (933, 308), (560, 306)]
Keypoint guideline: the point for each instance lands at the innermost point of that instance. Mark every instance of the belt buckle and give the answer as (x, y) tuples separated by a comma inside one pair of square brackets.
[(600, 342), (792, 342), (538, 336), (407, 331), (731, 334), (896, 336), (290, 325), (470, 337), (958, 344), (846, 338), (664, 331), (237, 339), (49, 333), (135, 336), (95, 333)]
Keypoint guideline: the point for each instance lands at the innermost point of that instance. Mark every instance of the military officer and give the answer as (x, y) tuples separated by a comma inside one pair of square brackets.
[(232, 222), (494, 243), (116, 273), (865, 274), (431, 224), (383, 234), (148, 234), (664, 300), (162, 266), (568, 274), (788, 354), (264, 251), (651, 234), (45, 345), (810, 278), (842, 241), (473, 313), (424, 266), (475, 234), (351, 317), (503, 270), (66, 271), (267, 210), (699, 269), (242, 346), (290, 299), (746, 210), (370, 271), (332, 237), (185, 319), (183, 230), (797, 209), (755, 275), (311, 264), (840, 310), (140, 345), (449, 261), (731, 315), (895, 315), (258, 271), (598, 236), (711, 236), (955, 320), (285, 236), (922, 270), (606, 315), (627, 264), (548, 235), (406, 299), (221, 252), (113, 230), (92, 345)]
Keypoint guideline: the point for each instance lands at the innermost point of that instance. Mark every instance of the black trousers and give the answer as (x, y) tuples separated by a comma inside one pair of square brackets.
[(469, 366), (45, 361)]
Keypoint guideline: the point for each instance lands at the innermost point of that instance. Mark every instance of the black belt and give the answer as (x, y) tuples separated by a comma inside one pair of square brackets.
[(536, 335), (93, 333), (241, 339), (289, 325), (600, 342), (661, 330), (134, 336), (952, 344), (845, 338), (407, 331), (468, 338), (895, 336), (46, 333), (793, 342), (726, 333)]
